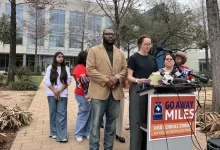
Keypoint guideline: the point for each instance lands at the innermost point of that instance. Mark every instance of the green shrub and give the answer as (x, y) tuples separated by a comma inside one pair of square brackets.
[(25, 84), (23, 73), (2, 79), (35, 73)]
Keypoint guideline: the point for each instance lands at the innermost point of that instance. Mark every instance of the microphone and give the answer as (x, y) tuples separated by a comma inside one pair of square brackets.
[(187, 72), (167, 79), (176, 72)]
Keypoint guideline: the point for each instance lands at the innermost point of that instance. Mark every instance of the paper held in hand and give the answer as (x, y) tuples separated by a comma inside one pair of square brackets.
[(155, 77)]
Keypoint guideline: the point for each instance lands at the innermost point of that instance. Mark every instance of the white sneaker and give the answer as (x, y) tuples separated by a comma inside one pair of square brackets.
[(79, 139), (54, 136), (87, 137), (64, 140)]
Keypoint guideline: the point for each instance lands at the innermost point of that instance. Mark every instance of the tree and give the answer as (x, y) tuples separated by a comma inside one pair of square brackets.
[(5, 29), (79, 24), (116, 10), (214, 43), (12, 54), (200, 10), (205, 40), (173, 26), (130, 30), (36, 26)]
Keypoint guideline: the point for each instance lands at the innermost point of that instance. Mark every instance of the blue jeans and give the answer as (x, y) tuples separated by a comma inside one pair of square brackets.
[(83, 117), (58, 117), (109, 107)]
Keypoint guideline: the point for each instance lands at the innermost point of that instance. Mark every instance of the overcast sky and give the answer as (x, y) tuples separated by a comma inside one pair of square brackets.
[(190, 3), (184, 1)]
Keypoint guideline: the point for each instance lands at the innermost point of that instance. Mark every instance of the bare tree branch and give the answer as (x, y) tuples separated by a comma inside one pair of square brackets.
[(106, 13)]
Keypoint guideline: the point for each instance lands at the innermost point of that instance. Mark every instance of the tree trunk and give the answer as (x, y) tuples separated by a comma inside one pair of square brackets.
[(82, 42), (12, 54), (36, 37), (205, 37), (207, 58), (128, 48), (35, 57), (214, 42), (117, 25), (117, 39)]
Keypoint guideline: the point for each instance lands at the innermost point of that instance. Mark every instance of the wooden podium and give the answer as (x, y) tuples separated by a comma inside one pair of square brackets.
[(169, 116)]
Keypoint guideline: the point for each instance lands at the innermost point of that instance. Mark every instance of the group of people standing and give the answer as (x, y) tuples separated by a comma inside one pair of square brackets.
[(99, 74)]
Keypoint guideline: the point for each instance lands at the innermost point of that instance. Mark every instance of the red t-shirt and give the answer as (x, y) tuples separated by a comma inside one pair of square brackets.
[(187, 68), (123, 83), (78, 72)]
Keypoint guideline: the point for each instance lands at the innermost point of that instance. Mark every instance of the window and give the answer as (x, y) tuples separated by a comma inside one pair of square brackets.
[(202, 64), (0, 9), (31, 41), (108, 22), (76, 27), (36, 23), (57, 26), (19, 20), (94, 30)]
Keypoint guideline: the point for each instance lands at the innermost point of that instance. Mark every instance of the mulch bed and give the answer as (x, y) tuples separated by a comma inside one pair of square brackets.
[(7, 138)]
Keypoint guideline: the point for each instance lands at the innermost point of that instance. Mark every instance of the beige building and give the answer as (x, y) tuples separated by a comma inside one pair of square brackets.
[(67, 28), (196, 60)]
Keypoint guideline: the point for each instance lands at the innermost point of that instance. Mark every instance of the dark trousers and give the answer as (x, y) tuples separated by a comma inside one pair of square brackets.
[(137, 113)]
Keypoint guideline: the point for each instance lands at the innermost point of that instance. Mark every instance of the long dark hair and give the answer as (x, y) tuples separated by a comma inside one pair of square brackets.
[(81, 58), (53, 72)]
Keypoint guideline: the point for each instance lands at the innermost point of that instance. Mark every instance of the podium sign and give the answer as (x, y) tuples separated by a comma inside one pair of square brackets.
[(170, 116)]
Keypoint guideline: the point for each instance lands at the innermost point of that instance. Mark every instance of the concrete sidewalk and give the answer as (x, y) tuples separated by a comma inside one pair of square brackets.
[(35, 136)]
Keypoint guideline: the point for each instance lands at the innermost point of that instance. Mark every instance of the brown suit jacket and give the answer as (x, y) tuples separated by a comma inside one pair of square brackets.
[(99, 67)]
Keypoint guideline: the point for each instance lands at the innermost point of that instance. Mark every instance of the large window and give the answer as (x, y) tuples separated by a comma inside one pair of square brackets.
[(202, 64), (19, 20), (94, 29), (76, 28), (57, 36), (108, 22), (36, 24), (0, 9)]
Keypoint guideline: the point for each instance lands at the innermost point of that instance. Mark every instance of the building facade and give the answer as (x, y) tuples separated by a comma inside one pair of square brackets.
[(196, 60), (71, 28)]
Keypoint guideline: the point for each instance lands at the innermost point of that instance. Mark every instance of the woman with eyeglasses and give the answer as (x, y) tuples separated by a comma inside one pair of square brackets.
[(140, 67), (168, 63)]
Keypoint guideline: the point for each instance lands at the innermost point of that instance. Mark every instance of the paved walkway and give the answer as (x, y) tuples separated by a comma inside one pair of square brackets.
[(35, 136)]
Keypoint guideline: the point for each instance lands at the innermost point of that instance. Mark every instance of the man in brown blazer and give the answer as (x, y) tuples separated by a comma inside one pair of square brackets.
[(106, 66)]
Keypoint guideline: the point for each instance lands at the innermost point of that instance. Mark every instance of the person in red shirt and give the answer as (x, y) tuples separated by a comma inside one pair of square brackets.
[(82, 83), (181, 60)]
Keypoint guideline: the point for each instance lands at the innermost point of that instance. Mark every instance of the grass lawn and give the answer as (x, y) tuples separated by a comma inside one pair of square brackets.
[(38, 79)]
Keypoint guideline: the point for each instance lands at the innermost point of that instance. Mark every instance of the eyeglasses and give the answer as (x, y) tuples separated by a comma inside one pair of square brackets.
[(169, 59), (147, 44), (113, 34)]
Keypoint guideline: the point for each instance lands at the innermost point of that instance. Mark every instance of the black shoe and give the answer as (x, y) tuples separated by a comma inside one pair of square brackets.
[(120, 138)]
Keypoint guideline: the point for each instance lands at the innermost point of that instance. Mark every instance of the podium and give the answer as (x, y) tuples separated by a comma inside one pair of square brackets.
[(171, 117)]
